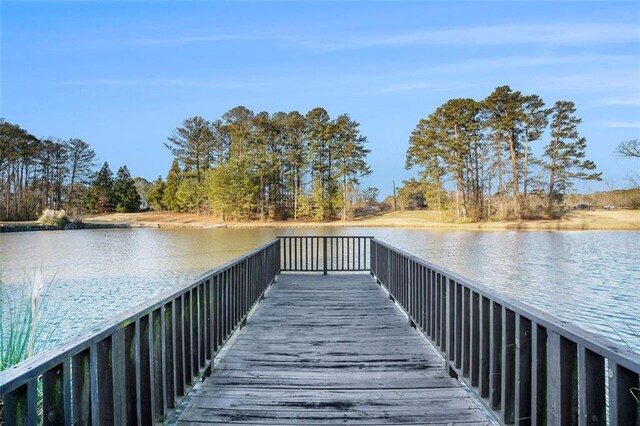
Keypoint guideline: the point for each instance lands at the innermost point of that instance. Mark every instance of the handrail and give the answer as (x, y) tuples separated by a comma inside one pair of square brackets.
[(308, 253), (138, 366), (526, 365)]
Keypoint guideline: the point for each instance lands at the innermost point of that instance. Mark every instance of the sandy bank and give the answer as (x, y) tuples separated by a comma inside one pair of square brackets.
[(576, 220)]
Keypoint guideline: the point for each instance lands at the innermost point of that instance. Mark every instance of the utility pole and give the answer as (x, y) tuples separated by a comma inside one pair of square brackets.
[(395, 201)]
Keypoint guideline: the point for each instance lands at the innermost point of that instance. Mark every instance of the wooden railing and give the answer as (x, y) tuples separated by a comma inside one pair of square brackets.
[(138, 367), (527, 366), (325, 254)]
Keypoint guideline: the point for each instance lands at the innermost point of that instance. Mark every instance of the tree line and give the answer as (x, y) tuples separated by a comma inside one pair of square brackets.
[(49, 173), (280, 166), (484, 150)]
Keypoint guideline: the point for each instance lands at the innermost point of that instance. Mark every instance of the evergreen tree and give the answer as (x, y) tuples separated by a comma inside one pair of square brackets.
[(565, 153), (294, 146), (100, 196), (238, 125), (320, 138), (155, 195), (125, 195), (169, 199), (193, 145), (80, 159), (446, 145), (263, 154), (536, 119), (232, 190), (350, 154), (506, 117), (190, 195)]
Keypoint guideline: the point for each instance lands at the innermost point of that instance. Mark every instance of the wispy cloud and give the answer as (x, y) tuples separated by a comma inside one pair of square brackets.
[(610, 79), (431, 78), (525, 61), (558, 34), (201, 39), (152, 82), (624, 100), (619, 124), (419, 86), (492, 35)]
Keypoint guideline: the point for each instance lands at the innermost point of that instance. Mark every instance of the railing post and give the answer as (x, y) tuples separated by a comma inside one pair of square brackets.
[(325, 255)]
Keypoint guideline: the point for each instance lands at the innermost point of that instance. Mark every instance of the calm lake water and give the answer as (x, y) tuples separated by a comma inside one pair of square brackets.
[(589, 278)]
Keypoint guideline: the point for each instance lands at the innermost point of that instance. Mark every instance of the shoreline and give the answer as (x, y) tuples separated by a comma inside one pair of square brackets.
[(621, 220)]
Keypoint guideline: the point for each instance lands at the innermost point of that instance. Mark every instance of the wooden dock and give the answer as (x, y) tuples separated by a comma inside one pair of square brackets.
[(328, 346), (328, 349)]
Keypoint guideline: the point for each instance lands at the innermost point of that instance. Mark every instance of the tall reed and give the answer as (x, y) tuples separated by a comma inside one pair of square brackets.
[(21, 333)]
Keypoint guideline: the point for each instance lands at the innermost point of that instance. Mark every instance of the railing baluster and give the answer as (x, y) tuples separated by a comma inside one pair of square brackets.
[(624, 392), (591, 382), (485, 347), (561, 381), (457, 345), (466, 328), (156, 356), (169, 383), (56, 407), (523, 370), (143, 371), (443, 303), (325, 255), (451, 322), (495, 356), (474, 348), (538, 375), (508, 376), (102, 381)]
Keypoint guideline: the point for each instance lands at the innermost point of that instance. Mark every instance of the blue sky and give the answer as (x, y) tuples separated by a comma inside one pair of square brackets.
[(123, 75)]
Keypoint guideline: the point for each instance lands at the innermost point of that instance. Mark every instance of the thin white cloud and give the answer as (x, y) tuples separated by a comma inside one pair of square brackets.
[(200, 39), (430, 78), (611, 79), (493, 35), (419, 86), (619, 124), (484, 64), (624, 100), (559, 34), (153, 82)]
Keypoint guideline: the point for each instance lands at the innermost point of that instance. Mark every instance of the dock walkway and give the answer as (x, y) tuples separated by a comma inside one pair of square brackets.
[(330, 349)]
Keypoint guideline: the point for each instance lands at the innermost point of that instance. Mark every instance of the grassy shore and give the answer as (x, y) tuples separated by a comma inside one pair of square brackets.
[(574, 220)]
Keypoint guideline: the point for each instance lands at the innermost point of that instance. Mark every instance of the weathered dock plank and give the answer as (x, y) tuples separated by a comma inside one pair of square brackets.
[(326, 350)]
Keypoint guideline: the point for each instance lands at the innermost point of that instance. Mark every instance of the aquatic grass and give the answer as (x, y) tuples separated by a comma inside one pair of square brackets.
[(22, 331), (52, 217)]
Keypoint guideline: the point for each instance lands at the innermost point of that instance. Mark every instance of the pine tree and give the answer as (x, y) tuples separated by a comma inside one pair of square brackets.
[(294, 157), (169, 199), (506, 118), (126, 196), (155, 195), (80, 159), (193, 145), (190, 195), (446, 145), (100, 197), (320, 139), (536, 119), (565, 153), (350, 154)]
